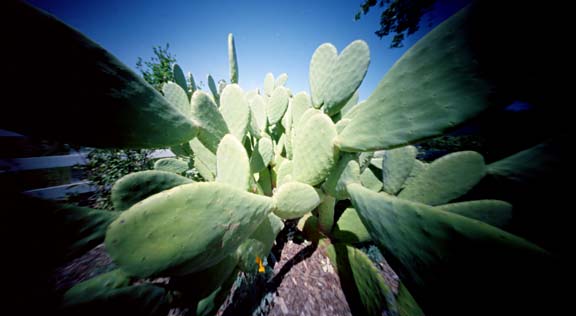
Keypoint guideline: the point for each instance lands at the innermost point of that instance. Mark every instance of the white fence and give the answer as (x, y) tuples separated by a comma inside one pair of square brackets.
[(77, 186)]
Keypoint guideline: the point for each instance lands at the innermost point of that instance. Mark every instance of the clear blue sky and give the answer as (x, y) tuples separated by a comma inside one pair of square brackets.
[(271, 36)]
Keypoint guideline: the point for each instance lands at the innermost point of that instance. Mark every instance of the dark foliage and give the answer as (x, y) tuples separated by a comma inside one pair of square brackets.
[(105, 166), (399, 17)]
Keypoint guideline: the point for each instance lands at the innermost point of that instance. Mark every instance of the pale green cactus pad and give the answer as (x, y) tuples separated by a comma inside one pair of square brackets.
[(286, 120), (177, 97), (397, 164), (284, 173), (269, 84), (365, 160), (123, 110), (137, 186), (326, 214), (350, 229), (370, 181), (235, 110), (171, 165), (277, 105), (341, 124), (155, 235), (351, 103), (446, 178), (204, 160), (333, 78), (262, 155), (281, 80), (253, 127), (258, 106), (314, 153), (439, 254), (232, 164), (288, 133), (251, 94), (365, 289), (353, 110), (259, 243), (212, 125), (426, 92), (267, 232), (294, 199), (279, 147), (320, 71), (232, 60), (376, 162), (179, 78), (307, 114), (417, 169), (346, 171), (494, 212), (300, 103)]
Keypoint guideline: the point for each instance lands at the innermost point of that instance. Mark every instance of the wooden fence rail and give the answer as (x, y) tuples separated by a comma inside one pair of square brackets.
[(75, 186)]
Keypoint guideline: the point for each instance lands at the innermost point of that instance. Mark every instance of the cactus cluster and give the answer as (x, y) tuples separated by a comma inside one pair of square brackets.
[(271, 155)]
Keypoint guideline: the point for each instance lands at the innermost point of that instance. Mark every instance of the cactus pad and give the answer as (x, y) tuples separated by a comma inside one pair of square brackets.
[(185, 229), (334, 79), (232, 165), (96, 286), (396, 167), (232, 60), (493, 212), (438, 254), (294, 199), (212, 125), (446, 178), (281, 80), (346, 171), (314, 154), (124, 110), (177, 97), (365, 289), (137, 186), (171, 165), (350, 229), (204, 160), (179, 77), (370, 181), (426, 92), (268, 84), (277, 105), (235, 110)]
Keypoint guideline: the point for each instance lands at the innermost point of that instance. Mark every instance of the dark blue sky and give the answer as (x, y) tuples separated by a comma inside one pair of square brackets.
[(270, 36)]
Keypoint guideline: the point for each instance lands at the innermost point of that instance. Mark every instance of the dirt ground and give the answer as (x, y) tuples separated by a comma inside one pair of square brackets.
[(301, 283), (307, 287)]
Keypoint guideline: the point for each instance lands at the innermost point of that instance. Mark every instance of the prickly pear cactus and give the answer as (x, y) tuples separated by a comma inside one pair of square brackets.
[(344, 167)]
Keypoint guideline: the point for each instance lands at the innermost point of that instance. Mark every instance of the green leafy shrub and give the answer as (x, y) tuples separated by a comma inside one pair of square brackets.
[(104, 167)]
